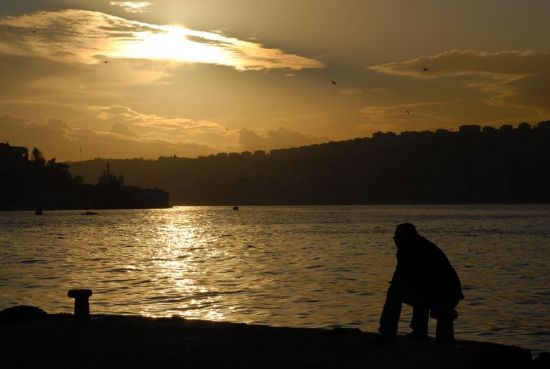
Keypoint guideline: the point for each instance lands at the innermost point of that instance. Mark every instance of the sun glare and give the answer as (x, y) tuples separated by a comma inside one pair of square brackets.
[(172, 43), (88, 37)]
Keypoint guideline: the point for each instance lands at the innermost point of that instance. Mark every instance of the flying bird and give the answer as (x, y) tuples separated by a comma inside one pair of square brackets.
[(333, 82), (408, 112), (34, 30), (106, 62), (425, 69)]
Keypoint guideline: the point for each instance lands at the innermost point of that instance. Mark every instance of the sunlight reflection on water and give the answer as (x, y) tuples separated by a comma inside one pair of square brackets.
[(292, 266)]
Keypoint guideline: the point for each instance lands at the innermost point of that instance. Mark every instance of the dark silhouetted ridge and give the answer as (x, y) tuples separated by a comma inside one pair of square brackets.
[(472, 165), (37, 184)]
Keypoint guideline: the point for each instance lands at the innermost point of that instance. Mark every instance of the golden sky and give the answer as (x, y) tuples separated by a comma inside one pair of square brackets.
[(126, 79)]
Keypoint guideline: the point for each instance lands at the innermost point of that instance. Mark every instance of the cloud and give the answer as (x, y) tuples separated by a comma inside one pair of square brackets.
[(155, 127), (274, 139), (351, 92), (90, 37), (132, 6), (441, 114), (120, 132), (116, 131), (409, 115), (64, 143), (509, 80), (470, 62)]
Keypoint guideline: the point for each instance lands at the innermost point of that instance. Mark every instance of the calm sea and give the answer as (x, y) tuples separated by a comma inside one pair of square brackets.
[(318, 266)]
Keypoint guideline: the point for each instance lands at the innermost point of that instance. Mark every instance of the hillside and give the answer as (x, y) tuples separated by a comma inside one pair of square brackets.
[(473, 165), (38, 184)]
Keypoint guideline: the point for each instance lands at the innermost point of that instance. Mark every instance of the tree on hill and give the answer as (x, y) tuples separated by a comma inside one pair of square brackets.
[(37, 156)]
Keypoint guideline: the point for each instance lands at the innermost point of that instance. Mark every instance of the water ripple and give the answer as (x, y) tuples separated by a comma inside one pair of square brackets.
[(286, 266)]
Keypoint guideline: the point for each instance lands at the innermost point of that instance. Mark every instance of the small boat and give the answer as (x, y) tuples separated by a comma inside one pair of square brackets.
[(235, 207), (88, 213)]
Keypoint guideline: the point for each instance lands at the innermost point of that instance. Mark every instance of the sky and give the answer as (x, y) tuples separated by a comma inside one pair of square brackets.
[(97, 78)]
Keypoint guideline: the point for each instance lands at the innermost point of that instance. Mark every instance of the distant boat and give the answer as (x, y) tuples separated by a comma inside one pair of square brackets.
[(38, 212), (88, 213), (235, 207)]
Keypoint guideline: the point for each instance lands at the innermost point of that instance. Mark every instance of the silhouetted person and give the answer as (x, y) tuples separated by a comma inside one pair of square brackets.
[(423, 278)]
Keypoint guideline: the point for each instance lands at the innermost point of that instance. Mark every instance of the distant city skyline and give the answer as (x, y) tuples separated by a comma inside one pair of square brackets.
[(189, 77)]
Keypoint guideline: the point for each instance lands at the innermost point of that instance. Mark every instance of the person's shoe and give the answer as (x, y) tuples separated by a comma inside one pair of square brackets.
[(381, 340)]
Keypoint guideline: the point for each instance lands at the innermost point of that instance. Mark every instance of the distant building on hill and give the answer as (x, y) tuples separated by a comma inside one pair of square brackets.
[(13, 153), (469, 129)]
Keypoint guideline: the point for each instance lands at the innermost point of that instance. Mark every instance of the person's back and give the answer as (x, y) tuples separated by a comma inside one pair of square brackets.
[(423, 278), (422, 264)]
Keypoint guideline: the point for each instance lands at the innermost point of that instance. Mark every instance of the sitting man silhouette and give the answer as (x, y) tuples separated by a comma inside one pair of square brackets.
[(423, 278)]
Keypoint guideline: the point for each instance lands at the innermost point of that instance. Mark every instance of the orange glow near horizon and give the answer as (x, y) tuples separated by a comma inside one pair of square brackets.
[(125, 79)]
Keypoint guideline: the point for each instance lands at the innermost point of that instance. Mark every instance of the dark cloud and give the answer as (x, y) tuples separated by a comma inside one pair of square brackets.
[(209, 41)]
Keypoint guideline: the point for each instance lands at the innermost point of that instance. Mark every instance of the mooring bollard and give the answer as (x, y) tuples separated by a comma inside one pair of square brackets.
[(444, 330), (81, 305)]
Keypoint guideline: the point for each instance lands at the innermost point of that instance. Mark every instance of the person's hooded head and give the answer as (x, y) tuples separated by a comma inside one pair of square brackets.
[(405, 234)]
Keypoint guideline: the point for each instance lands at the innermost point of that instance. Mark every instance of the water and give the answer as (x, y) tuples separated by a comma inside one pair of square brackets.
[(286, 266)]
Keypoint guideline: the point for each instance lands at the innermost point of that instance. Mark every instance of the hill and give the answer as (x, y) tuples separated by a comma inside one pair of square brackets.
[(471, 165), (38, 184)]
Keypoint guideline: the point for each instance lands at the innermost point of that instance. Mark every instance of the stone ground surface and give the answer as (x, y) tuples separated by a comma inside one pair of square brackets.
[(108, 341)]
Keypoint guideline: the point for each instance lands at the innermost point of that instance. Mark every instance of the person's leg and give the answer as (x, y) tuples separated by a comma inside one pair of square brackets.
[(419, 321), (389, 319)]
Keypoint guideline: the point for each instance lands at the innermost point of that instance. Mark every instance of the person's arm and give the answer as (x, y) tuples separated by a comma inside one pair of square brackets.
[(446, 277), (399, 269), (455, 281)]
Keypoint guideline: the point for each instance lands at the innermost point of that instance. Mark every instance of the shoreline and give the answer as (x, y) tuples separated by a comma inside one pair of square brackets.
[(290, 205), (133, 341)]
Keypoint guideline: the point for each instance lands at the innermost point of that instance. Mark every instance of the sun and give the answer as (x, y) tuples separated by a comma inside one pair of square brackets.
[(174, 43)]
